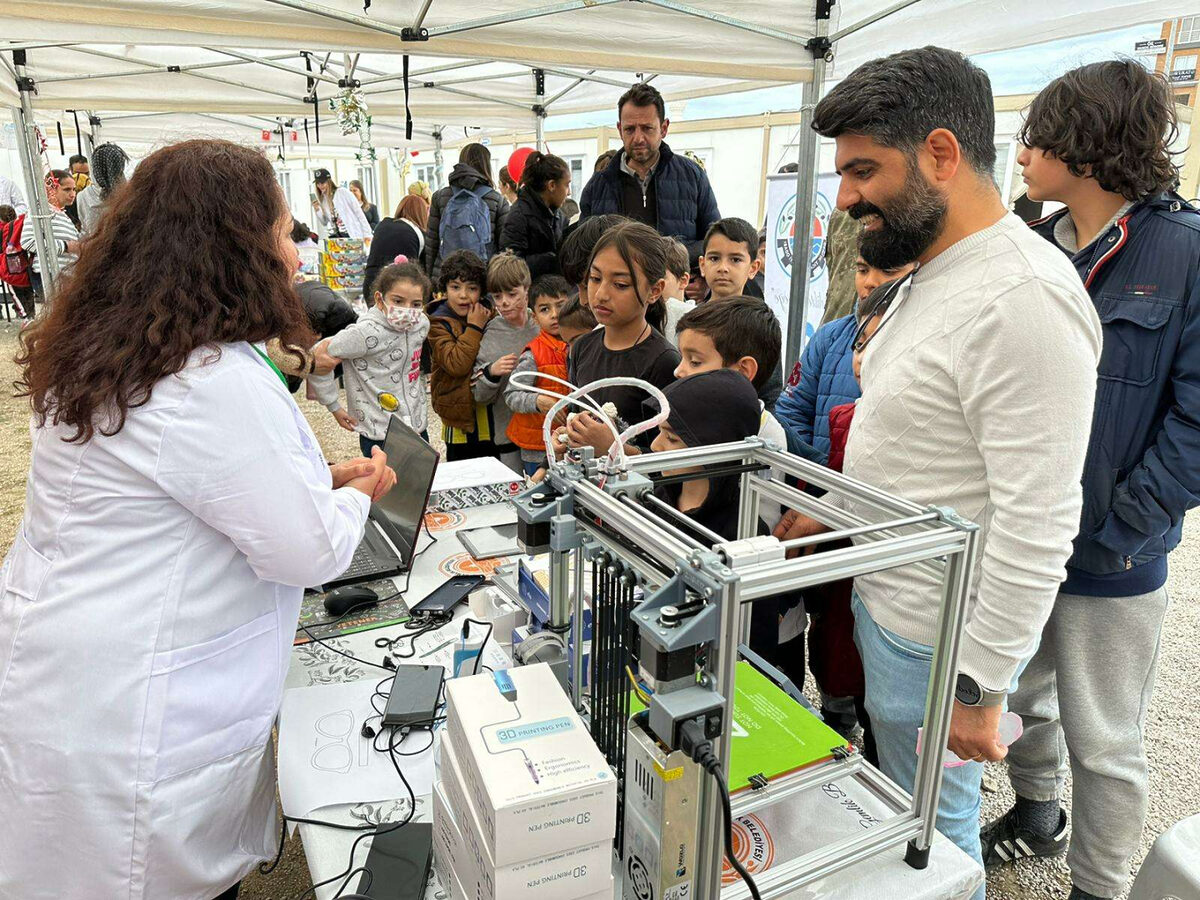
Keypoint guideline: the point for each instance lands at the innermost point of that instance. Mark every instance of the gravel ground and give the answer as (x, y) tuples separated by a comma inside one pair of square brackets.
[(1172, 731)]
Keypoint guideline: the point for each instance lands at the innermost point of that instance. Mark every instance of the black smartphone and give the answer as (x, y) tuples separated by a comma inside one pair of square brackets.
[(444, 598), (398, 863), (413, 696)]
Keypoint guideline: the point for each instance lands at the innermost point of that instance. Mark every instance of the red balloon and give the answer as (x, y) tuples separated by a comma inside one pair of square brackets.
[(516, 162)]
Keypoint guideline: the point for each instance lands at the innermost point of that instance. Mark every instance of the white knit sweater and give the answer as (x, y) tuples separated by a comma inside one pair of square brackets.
[(977, 395)]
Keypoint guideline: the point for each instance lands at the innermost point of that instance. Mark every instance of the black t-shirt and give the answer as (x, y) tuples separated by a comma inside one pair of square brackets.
[(653, 360)]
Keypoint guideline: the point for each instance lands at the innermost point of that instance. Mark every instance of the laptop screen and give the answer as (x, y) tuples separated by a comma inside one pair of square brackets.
[(401, 512)]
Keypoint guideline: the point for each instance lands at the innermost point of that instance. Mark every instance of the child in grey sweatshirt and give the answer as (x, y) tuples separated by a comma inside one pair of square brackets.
[(506, 335), (382, 360)]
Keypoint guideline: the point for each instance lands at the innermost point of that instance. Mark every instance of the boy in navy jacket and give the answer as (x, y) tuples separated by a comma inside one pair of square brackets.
[(1096, 140)]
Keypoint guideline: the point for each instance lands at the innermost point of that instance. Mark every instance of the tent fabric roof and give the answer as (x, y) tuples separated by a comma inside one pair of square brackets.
[(482, 93), (474, 70), (648, 35)]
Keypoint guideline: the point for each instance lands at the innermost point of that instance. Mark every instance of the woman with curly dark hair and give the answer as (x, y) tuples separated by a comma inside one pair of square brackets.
[(176, 506)]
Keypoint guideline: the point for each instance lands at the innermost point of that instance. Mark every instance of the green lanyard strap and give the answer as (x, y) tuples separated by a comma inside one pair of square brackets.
[(271, 363)]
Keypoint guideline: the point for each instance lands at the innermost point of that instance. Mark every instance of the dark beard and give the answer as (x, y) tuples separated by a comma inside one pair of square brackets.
[(911, 222)]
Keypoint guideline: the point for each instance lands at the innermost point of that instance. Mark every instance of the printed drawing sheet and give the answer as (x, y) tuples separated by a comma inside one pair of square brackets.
[(324, 758)]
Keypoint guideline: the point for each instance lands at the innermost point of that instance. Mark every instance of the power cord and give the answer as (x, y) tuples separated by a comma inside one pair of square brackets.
[(693, 742)]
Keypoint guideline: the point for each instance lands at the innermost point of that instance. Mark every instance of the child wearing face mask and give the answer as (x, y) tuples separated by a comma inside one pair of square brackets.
[(505, 336), (381, 355)]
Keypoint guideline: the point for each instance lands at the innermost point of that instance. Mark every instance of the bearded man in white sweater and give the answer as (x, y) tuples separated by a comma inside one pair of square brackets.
[(977, 395)]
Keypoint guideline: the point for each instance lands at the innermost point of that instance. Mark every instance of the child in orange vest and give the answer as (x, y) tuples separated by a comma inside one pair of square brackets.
[(546, 353)]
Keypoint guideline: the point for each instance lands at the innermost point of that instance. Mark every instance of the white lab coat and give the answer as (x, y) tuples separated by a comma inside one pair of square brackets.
[(147, 611), (349, 211)]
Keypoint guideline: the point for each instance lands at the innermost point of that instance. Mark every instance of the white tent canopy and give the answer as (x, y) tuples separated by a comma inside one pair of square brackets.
[(479, 93)]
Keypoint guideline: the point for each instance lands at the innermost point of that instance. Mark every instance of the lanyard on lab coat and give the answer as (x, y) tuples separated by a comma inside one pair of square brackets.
[(271, 363)]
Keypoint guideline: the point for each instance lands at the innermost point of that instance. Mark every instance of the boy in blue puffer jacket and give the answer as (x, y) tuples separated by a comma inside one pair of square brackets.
[(824, 377)]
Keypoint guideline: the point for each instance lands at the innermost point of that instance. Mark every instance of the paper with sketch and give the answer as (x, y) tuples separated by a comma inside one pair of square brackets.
[(437, 648), (325, 760)]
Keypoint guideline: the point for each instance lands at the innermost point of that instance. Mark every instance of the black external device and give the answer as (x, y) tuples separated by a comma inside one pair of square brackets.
[(413, 698), (398, 862), (444, 598)]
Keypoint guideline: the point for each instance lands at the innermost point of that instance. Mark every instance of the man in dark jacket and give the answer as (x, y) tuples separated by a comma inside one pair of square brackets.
[(471, 172), (1096, 139), (647, 181)]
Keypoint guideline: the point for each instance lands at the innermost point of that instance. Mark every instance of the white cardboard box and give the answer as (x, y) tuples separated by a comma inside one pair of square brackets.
[(535, 779), (473, 482), (579, 872)]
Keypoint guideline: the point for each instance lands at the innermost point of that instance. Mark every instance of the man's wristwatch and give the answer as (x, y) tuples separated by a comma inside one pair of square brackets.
[(968, 692)]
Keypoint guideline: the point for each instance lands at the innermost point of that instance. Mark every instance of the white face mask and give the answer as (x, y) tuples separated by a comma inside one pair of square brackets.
[(406, 318)]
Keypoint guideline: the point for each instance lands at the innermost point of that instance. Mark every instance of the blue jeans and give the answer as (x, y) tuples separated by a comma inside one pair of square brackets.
[(897, 675)]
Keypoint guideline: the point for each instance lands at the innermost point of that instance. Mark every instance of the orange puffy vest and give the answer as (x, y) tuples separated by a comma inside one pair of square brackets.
[(550, 355)]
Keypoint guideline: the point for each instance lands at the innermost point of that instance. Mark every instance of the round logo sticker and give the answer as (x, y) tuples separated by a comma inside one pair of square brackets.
[(753, 847), (465, 564), (785, 236), (443, 521)]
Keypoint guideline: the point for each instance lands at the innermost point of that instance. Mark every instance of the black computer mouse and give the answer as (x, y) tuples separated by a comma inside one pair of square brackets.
[(341, 600)]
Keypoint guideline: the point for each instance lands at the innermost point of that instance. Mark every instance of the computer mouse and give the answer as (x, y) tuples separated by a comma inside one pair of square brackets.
[(341, 600)]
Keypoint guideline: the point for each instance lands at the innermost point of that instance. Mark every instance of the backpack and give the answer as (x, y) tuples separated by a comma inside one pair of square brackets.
[(14, 262), (466, 222)]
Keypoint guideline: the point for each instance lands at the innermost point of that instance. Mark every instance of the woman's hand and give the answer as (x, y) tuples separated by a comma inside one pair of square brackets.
[(378, 481), (323, 363), (346, 420), (344, 472)]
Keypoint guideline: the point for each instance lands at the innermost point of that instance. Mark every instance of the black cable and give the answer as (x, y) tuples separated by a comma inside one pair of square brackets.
[(713, 767), (693, 742), (412, 807), (466, 629), (321, 641)]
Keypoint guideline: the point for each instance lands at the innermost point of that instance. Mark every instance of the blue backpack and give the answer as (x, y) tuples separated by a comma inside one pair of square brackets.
[(466, 223)]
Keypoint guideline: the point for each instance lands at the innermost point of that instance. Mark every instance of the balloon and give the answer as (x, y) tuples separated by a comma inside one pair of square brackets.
[(516, 162)]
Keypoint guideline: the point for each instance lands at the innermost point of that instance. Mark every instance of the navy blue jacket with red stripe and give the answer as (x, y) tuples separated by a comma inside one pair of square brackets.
[(1142, 471)]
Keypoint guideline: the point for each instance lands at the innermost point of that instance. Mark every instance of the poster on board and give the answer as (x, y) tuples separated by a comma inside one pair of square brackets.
[(781, 239)]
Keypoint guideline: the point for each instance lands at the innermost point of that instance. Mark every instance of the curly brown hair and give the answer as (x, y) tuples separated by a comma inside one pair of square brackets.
[(1112, 121), (187, 255)]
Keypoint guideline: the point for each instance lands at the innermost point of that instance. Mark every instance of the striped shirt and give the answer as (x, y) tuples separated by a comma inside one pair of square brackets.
[(64, 230)]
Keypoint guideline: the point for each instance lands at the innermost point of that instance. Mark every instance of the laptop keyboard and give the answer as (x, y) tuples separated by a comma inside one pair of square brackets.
[(363, 562)]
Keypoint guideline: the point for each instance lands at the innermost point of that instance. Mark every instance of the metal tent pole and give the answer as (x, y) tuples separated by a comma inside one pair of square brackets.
[(39, 203), (438, 160), (539, 108), (807, 158)]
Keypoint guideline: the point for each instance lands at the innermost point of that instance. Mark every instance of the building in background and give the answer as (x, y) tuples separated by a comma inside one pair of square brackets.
[(1175, 53)]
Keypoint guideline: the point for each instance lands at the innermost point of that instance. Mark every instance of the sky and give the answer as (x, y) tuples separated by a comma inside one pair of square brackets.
[(1020, 71)]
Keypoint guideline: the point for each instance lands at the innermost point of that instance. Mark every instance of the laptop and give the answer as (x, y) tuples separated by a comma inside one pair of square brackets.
[(394, 523)]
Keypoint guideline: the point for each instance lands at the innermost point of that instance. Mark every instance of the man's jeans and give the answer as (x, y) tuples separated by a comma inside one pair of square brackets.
[(897, 673)]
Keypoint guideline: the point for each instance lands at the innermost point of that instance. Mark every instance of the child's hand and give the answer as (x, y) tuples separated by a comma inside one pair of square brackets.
[(558, 442), (538, 477), (585, 430), (503, 366), (544, 403), (346, 420), (479, 315)]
